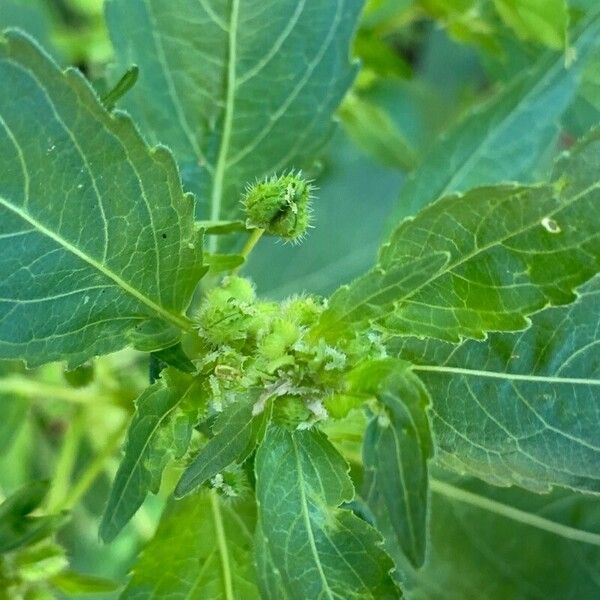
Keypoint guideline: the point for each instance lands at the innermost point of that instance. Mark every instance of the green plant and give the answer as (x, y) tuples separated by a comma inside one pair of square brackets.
[(429, 429)]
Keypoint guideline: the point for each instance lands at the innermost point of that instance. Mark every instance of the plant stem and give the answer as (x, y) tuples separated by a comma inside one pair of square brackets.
[(251, 242), (222, 542), (87, 478), (510, 512), (64, 464), (249, 245), (33, 389)]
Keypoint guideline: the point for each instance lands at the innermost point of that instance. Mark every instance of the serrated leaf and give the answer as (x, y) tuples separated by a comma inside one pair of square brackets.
[(202, 550), (520, 409), (157, 434), (96, 235), (510, 251), (235, 100), (396, 449), (237, 431), (488, 145), (496, 544), (315, 549)]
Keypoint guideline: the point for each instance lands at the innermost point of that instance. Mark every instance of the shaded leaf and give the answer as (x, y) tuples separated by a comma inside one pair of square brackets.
[(202, 550), (96, 234), (497, 544), (236, 432), (176, 357), (397, 447), (32, 16), (374, 131), (17, 527), (158, 433), (488, 146), (314, 549)]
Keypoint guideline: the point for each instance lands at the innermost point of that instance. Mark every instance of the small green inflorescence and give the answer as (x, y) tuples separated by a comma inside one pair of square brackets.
[(244, 343), (280, 205)]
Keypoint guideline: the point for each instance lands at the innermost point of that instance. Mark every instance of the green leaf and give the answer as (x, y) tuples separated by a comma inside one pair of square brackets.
[(520, 409), (397, 447), (157, 434), (96, 235), (270, 581), (153, 334), (176, 357), (13, 412), (496, 544), (32, 16), (221, 227), (374, 131), (543, 21), (202, 550), (219, 263), (17, 527), (237, 89), (237, 431), (315, 549), (73, 583), (488, 145), (482, 261)]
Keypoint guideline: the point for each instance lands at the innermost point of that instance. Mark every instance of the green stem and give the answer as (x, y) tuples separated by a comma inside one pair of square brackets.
[(93, 470), (222, 542), (510, 512), (64, 465), (221, 165), (249, 245), (34, 389)]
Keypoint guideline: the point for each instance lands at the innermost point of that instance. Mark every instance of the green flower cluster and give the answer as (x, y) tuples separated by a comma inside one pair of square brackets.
[(244, 343)]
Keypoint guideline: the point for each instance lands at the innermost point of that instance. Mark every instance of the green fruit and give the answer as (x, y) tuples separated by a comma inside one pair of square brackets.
[(280, 205)]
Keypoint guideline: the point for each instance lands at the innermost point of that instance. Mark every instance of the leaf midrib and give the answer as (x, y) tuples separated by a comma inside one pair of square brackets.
[(307, 523), (507, 376), (179, 321), (515, 514), (217, 186), (222, 545)]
